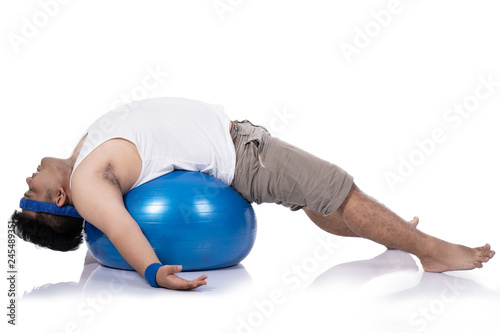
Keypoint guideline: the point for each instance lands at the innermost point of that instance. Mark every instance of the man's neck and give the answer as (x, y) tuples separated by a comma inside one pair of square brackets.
[(76, 152), (71, 164)]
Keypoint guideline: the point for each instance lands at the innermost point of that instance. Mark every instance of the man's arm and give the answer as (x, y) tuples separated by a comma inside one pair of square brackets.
[(101, 202)]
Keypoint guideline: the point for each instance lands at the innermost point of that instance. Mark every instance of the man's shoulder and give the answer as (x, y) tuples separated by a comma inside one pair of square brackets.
[(116, 162)]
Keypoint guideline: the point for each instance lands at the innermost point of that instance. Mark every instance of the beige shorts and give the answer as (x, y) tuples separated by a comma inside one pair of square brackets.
[(270, 170)]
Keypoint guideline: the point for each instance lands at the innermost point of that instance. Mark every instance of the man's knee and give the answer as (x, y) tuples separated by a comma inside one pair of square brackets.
[(354, 189)]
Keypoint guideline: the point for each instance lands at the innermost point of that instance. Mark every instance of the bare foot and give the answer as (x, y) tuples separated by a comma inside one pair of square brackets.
[(412, 223), (452, 257)]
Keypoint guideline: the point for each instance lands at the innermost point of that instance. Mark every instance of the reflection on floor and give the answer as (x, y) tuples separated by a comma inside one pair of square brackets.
[(95, 278), (388, 293)]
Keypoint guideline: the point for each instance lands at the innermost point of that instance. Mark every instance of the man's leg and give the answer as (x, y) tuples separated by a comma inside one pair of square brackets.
[(369, 219), (270, 170), (334, 224)]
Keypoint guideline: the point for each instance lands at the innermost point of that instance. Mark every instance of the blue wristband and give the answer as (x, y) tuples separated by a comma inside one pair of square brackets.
[(150, 274)]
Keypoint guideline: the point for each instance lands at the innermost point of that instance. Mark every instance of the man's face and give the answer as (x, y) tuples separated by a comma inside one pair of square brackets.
[(41, 182)]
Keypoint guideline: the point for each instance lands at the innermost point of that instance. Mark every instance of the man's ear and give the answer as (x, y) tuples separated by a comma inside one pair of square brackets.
[(61, 197)]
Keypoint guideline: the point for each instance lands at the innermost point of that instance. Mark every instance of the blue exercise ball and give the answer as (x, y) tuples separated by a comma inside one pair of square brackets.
[(189, 218)]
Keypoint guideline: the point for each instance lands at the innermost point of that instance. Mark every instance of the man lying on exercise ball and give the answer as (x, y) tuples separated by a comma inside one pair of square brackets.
[(146, 139)]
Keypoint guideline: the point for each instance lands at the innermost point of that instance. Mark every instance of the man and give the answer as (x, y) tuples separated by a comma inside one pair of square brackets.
[(144, 140)]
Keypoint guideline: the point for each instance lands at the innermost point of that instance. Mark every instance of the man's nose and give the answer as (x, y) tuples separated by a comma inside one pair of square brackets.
[(28, 180)]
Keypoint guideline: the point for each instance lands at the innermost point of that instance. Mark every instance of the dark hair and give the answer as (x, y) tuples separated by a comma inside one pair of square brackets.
[(59, 233)]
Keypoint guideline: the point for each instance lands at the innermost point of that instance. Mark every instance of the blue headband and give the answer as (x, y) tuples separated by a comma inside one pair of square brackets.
[(47, 207)]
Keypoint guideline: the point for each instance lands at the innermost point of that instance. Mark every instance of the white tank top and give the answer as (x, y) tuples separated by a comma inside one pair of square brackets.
[(170, 134)]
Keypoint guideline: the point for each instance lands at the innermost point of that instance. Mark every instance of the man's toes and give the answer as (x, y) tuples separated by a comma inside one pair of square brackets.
[(485, 247), (485, 256), (414, 222)]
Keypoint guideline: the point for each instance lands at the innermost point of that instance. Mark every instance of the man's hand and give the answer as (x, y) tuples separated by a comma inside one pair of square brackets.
[(166, 278)]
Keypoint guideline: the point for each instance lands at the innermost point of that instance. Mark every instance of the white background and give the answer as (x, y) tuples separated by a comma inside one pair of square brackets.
[(279, 64)]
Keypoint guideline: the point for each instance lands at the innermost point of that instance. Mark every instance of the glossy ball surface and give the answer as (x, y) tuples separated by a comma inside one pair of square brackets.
[(189, 218)]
